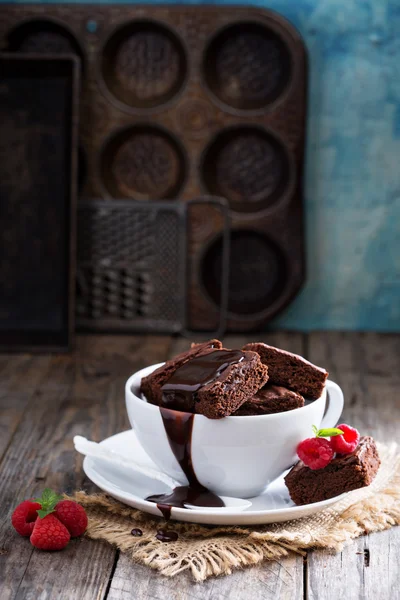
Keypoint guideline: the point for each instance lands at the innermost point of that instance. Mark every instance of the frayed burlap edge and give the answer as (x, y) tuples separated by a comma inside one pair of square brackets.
[(207, 551)]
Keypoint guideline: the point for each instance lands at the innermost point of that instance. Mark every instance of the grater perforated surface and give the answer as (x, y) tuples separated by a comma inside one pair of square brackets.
[(131, 266)]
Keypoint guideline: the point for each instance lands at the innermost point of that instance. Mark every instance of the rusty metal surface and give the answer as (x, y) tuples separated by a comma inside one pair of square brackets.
[(133, 263), (179, 101), (38, 143)]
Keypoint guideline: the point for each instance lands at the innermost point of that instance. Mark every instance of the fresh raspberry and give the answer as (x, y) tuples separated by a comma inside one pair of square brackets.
[(347, 442), (49, 534), (315, 453), (24, 517), (73, 516), (49, 520)]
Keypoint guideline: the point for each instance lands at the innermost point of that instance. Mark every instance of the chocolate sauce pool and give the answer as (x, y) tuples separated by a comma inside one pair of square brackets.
[(179, 394)]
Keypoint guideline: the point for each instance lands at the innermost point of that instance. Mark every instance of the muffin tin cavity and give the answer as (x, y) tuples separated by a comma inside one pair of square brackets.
[(42, 36), (180, 102), (143, 162), (143, 65), (248, 166), (247, 66), (258, 272)]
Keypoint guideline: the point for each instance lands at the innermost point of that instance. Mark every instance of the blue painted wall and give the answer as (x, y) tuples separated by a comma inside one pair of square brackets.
[(353, 164)]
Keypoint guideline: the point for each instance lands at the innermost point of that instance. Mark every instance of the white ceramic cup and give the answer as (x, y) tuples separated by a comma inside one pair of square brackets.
[(234, 456)]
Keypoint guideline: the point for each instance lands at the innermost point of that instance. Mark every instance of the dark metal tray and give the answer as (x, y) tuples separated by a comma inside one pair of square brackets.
[(38, 146), (180, 101)]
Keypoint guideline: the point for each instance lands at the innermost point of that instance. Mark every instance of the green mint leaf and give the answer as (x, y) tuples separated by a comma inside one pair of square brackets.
[(315, 430), (330, 432), (48, 500), (43, 513)]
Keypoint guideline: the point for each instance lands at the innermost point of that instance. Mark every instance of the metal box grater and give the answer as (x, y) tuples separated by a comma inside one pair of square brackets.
[(133, 265)]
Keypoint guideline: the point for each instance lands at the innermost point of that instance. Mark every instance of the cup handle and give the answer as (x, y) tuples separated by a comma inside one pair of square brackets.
[(335, 407)]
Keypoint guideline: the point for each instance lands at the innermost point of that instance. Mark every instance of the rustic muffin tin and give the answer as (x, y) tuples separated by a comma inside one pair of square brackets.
[(39, 134), (179, 101)]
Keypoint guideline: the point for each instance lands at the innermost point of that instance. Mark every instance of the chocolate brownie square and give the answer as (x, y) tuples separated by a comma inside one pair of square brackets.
[(344, 473), (152, 384), (291, 370), (215, 384), (269, 400)]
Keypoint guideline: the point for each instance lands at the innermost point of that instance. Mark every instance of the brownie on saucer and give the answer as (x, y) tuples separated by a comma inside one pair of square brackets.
[(344, 473), (269, 400), (152, 384), (214, 384), (291, 370)]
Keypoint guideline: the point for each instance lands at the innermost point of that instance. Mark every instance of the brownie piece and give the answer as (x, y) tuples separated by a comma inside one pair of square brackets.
[(152, 384), (215, 384), (269, 400), (344, 473), (291, 370)]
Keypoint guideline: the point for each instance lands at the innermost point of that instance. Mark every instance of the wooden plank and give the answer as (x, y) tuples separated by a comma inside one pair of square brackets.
[(281, 579), (22, 475), (113, 356), (381, 359), (14, 366), (79, 572), (41, 454), (273, 579), (19, 377), (367, 367)]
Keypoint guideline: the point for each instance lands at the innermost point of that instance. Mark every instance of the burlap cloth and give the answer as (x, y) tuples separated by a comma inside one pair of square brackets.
[(207, 551)]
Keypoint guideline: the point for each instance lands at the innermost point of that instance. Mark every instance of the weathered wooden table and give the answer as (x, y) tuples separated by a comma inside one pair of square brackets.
[(46, 400)]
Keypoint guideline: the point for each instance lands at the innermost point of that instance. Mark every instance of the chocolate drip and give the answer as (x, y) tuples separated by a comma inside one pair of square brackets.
[(178, 427), (179, 392), (165, 509)]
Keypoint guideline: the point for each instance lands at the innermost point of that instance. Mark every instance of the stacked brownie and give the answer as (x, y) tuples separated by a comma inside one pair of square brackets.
[(208, 380), (269, 400), (259, 380), (152, 384), (216, 382), (291, 380), (290, 370)]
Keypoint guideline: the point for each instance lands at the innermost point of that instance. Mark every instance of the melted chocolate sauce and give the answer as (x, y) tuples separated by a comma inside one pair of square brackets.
[(179, 392), (185, 494), (178, 427), (165, 509), (165, 535)]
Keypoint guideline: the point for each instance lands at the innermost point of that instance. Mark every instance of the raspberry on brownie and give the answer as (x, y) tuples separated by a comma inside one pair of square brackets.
[(214, 384), (152, 384), (291, 370), (344, 473), (269, 400)]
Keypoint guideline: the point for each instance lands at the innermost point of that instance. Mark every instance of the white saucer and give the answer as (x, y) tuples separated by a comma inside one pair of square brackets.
[(131, 488)]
